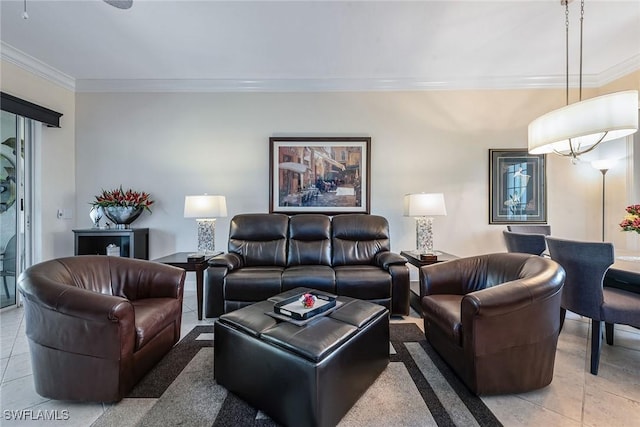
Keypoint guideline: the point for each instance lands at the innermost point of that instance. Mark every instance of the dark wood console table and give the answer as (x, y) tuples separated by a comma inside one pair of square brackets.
[(133, 242), (413, 257)]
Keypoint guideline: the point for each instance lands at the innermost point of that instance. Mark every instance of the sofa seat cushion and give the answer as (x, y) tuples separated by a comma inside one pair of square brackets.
[(256, 283), (152, 316), (320, 277), (366, 282), (443, 311)]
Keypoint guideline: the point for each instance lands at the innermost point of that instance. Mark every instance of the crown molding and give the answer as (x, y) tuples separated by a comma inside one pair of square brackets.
[(323, 85), (39, 68), (35, 66), (617, 71)]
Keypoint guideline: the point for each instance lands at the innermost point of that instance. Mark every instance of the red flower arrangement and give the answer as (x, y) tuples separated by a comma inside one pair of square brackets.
[(119, 197), (631, 222), (308, 300)]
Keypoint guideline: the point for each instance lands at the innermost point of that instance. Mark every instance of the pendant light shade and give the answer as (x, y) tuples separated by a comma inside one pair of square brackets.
[(579, 126)]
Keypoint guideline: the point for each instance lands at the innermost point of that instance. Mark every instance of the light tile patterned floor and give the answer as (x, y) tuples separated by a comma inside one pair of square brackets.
[(574, 398)]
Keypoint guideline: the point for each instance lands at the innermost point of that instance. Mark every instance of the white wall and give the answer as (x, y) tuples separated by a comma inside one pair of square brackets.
[(56, 171), (173, 144)]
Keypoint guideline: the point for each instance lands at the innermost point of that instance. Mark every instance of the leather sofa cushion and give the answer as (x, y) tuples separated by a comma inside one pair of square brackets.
[(356, 239), (252, 283), (444, 312), (309, 240), (313, 342), (363, 282), (320, 277), (152, 316), (260, 239)]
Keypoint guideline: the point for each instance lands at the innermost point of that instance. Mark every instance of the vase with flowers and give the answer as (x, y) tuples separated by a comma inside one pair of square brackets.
[(631, 221), (123, 207)]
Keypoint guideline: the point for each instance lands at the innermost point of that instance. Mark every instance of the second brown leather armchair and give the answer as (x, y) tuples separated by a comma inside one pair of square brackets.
[(97, 324), (495, 319)]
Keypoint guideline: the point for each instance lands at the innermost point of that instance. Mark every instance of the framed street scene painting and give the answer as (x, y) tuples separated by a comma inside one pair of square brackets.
[(328, 175), (517, 187)]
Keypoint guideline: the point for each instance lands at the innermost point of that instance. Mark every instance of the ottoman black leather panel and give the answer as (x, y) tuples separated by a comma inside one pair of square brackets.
[(251, 319), (356, 312), (302, 375), (314, 341)]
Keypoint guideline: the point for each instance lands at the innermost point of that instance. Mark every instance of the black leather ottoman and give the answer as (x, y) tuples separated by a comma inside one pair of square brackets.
[(302, 375)]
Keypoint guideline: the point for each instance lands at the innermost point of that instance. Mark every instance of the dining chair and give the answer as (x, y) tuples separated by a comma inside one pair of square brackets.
[(525, 243), (586, 264), (534, 229), (8, 260)]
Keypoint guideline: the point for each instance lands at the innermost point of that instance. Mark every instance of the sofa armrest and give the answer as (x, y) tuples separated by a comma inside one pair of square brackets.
[(148, 280), (531, 309), (386, 259), (442, 278), (229, 260), (77, 320)]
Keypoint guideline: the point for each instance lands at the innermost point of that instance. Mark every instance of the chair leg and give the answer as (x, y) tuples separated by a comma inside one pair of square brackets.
[(6, 288), (596, 343), (563, 313), (608, 329)]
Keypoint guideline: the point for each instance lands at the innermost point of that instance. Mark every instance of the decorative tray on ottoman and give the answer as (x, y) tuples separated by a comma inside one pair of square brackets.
[(294, 309)]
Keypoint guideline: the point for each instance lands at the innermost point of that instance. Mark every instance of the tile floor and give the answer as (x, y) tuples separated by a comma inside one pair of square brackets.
[(574, 398)]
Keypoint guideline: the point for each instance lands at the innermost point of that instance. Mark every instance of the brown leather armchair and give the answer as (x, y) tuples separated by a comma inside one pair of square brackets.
[(96, 324), (495, 319)]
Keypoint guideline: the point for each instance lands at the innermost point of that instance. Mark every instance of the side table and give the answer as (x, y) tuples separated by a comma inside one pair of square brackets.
[(179, 259), (413, 257)]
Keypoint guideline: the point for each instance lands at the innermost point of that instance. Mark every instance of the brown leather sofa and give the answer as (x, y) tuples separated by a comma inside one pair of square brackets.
[(495, 319), (347, 255), (96, 324)]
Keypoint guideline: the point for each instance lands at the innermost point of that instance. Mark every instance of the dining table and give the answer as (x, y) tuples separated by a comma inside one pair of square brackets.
[(624, 273)]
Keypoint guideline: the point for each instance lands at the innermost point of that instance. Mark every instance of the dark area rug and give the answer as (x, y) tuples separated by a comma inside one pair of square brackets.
[(416, 389)]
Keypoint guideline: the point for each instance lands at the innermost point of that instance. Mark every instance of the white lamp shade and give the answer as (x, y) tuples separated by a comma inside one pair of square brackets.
[(424, 204), (205, 206), (585, 123)]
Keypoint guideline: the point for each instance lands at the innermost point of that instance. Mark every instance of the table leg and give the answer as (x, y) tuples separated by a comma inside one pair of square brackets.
[(199, 290)]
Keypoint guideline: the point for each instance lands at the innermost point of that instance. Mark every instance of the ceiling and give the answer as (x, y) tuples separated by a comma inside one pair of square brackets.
[(318, 45)]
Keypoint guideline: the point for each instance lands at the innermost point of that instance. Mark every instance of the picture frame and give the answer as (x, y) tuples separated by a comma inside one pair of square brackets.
[(517, 187), (329, 175)]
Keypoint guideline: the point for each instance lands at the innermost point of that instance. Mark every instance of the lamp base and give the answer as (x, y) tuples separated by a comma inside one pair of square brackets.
[(206, 236), (429, 257)]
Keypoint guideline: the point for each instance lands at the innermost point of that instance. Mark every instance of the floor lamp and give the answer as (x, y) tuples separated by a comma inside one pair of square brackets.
[(603, 166)]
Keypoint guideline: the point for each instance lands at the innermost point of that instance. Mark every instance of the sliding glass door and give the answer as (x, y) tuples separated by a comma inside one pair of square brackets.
[(16, 143)]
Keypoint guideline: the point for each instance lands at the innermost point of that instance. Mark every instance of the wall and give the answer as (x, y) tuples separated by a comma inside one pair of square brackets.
[(55, 175), (173, 144)]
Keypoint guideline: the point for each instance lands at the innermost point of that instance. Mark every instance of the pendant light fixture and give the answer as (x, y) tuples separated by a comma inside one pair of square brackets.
[(580, 127)]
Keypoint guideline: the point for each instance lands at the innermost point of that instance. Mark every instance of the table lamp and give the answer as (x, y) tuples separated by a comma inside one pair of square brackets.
[(424, 206), (205, 209)]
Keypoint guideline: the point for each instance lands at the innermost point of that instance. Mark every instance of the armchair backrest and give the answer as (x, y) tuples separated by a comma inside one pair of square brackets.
[(586, 264), (260, 239), (357, 238), (127, 278), (309, 240), (466, 275), (526, 243)]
